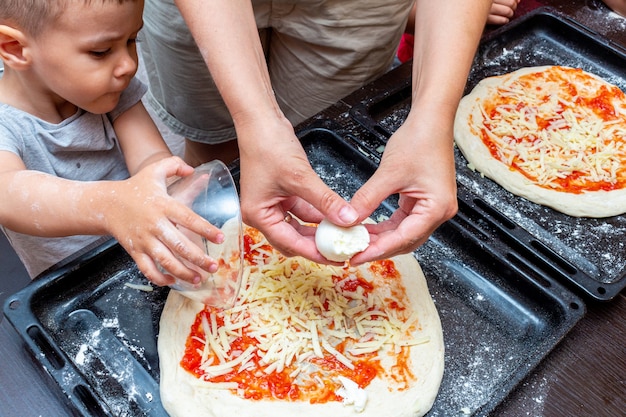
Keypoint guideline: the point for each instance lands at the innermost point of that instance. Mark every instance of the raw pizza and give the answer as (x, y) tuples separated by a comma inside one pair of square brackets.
[(305, 339), (553, 135)]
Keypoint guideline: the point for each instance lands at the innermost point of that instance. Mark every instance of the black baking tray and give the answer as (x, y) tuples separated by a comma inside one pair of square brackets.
[(96, 336), (587, 254)]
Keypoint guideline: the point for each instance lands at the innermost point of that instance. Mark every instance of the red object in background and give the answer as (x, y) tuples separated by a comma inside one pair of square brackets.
[(526, 6), (405, 49)]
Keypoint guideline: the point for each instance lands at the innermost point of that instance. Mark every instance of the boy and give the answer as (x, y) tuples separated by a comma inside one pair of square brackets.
[(72, 130)]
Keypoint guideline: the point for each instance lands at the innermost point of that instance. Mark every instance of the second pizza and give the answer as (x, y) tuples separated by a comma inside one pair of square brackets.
[(553, 135)]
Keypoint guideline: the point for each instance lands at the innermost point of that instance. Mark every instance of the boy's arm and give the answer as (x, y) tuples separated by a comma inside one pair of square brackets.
[(138, 212), (140, 139), (147, 224)]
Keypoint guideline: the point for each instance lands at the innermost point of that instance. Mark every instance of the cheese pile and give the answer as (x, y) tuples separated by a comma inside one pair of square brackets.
[(295, 310), (338, 243), (550, 134)]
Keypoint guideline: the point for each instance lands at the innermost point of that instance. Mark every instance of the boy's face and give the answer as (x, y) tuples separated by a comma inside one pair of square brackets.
[(89, 56)]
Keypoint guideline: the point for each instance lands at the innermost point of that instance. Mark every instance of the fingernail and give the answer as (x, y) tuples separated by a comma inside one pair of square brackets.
[(196, 280), (348, 214), (213, 268)]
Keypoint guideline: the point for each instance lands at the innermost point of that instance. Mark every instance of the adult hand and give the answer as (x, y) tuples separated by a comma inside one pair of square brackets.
[(277, 179), (418, 163), (144, 219)]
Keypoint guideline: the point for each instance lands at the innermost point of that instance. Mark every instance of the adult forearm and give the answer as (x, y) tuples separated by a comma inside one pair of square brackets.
[(226, 34), (446, 36)]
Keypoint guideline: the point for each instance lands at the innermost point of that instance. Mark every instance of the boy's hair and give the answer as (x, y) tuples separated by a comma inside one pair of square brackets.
[(32, 16)]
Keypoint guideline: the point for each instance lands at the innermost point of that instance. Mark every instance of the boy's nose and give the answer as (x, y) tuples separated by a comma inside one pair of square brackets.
[(126, 65)]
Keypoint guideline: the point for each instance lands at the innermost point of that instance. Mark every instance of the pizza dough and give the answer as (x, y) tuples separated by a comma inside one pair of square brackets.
[(468, 131), (185, 395)]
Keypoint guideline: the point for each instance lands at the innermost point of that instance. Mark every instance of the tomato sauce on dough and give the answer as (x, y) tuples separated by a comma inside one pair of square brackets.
[(316, 384), (545, 124)]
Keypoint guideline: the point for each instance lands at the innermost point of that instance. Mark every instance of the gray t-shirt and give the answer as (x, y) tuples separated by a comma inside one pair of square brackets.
[(83, 147)]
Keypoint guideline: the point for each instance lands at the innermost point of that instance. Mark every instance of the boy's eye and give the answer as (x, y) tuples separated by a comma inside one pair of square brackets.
[(100, 54)]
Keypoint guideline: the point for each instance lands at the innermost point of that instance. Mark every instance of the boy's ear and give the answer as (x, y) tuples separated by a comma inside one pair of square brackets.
[(12, 44)]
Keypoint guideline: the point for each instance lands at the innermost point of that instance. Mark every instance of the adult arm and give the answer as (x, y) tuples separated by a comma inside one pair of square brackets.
[(500, 13), (276, 176), (418, 162)]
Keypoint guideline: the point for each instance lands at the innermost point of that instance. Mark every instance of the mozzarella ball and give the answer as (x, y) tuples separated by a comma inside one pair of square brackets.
[(338, 243)]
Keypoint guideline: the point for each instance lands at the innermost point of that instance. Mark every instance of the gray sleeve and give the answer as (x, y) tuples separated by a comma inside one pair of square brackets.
[(9, 141), (131, 96)]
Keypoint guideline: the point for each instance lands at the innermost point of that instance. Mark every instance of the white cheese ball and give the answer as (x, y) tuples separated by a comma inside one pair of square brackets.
[(352, 394), (338, 243)]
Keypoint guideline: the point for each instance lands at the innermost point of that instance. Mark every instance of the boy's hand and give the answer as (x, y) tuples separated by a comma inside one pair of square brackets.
[(144, 219)]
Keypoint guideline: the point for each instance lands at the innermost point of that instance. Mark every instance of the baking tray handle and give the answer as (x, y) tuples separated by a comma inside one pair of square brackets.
[(55, 364)]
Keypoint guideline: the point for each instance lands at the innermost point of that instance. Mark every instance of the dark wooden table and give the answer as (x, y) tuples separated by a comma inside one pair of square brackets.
[(584, 376)]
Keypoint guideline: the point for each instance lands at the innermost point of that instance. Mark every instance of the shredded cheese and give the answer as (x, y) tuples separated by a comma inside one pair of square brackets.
[(140, 287), (296, 310), (557, 124)]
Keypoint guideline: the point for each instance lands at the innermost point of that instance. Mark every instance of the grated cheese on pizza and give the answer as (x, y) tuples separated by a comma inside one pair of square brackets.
[(298, 328), (560, 127)]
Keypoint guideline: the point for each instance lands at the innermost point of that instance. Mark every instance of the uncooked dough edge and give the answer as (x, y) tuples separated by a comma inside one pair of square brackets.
[(589, 204), (181, 400)]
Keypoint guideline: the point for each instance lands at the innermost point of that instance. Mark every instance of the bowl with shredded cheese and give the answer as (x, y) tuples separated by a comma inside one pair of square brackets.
[(211, 193)]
